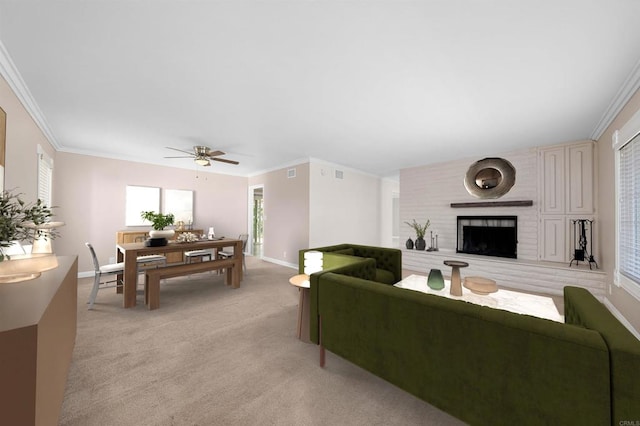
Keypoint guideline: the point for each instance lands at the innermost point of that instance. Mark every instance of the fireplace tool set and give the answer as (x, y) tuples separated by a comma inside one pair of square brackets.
[(580, 252)]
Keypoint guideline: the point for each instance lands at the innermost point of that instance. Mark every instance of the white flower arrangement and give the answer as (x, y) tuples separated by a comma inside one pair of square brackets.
[(187, 237)]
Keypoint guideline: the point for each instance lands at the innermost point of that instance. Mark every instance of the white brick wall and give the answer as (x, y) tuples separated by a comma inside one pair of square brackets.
[(426, 192)]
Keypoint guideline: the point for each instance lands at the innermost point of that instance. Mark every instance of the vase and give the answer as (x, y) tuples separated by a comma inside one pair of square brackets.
[(421, 244), (409, 244), (435, 280), (162, 233)]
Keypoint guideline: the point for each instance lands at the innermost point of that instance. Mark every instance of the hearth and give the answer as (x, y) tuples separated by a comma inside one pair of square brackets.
[(488, 235)]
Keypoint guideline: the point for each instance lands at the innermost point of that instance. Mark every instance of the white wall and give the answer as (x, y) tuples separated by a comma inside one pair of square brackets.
[(621, 300), (21, 151), (389, 189), (343, 210), (286, 213)]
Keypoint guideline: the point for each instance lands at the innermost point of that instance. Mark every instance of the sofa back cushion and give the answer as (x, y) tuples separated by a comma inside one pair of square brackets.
[(348, 251), (583, 309), (387, 259)]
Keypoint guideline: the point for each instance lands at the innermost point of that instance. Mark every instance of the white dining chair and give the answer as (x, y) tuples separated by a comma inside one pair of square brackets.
[(114, 269), (194, 254), (225, 254), (110, 270)]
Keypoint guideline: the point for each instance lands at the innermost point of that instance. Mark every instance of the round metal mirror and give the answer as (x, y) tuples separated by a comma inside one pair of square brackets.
[(490, 178)]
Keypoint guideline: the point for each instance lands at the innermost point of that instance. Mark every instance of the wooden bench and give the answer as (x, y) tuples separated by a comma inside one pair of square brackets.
[(153, 277)]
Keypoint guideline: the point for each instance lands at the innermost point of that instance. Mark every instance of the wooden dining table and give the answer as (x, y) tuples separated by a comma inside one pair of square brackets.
[(129, 252)]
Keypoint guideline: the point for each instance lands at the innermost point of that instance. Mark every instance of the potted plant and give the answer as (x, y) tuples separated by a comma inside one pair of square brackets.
[(159, 221), (420, 231), (20, 221)]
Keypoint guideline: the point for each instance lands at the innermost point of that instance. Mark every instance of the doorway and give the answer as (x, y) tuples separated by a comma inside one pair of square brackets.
[(255, 245)]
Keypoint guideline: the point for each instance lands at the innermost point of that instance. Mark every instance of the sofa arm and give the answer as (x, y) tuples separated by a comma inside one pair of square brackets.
[(583, 309), (363, 269)]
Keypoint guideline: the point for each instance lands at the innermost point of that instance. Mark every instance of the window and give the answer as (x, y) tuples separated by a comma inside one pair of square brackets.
[(45, 176), (626, 143)]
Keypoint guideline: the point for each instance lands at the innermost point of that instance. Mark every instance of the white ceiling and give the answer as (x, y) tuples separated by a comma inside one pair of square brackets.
[(372, 85)]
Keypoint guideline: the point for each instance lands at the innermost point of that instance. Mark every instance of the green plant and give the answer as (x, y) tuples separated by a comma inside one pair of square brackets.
[(158, 220), (19, 220), (420, 229)]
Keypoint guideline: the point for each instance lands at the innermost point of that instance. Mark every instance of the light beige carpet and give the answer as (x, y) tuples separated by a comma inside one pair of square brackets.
[(212, 355)]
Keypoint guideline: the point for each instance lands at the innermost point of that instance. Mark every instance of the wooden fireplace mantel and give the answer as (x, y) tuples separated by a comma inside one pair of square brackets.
[(517, 203)]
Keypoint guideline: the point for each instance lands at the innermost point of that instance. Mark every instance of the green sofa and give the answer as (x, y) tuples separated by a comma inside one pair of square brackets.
[(482, 365), (388, 260)]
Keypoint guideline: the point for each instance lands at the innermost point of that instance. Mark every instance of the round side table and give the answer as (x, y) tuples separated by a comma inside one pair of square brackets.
[(302, 282), (456, 284)]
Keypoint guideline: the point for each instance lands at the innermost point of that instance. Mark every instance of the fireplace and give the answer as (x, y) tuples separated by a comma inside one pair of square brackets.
[(488, 235)]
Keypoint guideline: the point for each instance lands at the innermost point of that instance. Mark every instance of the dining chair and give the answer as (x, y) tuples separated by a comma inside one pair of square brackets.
[(143, 262), (225, 254), (193, 254), (110, 270), (151, 261)]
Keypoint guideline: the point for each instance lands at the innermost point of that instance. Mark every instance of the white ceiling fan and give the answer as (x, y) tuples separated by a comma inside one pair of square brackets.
[(203, 155)]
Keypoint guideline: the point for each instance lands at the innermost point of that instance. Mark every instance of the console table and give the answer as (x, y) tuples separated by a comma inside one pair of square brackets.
[(508, 300), (37, 336)]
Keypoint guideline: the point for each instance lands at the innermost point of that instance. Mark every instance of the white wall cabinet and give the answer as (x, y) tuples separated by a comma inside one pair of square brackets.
[(566, 193)]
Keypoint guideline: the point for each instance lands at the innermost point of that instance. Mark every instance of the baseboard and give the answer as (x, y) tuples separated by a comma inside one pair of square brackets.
[(280, 262), (86, 274), (616, 313)]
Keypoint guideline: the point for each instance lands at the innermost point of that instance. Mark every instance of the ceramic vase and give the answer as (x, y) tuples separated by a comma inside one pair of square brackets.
[(435, 280), (421, 244), (164, 233), (409, 244)]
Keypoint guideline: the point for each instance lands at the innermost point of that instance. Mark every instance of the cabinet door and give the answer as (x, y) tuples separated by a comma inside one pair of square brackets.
[(553, 180), (134, 237), (580, 178), (553, 241)]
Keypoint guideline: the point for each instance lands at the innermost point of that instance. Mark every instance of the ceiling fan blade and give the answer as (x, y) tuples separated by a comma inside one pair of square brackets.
[(181, 150), (180, 157), (213, 153), (224, 160)]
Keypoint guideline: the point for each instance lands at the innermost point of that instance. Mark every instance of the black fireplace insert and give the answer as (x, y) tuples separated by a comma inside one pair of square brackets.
[(488, 235)]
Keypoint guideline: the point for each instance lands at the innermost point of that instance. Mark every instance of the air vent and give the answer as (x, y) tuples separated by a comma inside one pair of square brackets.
[(339, 174), (291, 173)]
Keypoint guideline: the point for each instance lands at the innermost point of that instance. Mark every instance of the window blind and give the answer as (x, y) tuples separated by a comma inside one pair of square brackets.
[(45, 177), (629, 211)]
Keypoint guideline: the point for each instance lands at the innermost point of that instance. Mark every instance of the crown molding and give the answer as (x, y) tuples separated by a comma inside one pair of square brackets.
[(20, 89), (627, 90)]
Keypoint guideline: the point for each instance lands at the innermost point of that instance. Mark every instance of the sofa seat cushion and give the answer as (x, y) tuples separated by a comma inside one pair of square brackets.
[(384, 276)]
